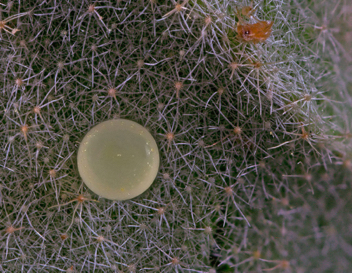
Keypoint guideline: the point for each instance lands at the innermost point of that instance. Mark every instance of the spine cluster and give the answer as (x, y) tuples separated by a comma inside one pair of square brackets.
[(249, 102)]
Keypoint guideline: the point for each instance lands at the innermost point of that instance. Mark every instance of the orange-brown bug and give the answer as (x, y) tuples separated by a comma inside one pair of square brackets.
[(256, 32), (247, 10)]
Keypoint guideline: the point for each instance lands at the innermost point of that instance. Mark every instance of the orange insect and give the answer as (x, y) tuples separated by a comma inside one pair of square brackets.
[(257, 32), (247, 10)]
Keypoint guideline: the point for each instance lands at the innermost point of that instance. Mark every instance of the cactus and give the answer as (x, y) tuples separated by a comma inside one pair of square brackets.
[(253, 134)]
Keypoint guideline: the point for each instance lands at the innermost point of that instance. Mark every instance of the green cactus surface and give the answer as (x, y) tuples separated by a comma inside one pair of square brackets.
[(253, 129)]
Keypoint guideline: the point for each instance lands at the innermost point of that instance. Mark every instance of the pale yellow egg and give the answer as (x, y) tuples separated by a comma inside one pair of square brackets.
[(118, 159)]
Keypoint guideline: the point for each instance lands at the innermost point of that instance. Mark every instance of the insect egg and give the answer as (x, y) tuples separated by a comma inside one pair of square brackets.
[(118, 159)]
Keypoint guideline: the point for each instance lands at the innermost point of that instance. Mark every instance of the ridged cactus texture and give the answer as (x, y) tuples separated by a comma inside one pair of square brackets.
[(254, 137)]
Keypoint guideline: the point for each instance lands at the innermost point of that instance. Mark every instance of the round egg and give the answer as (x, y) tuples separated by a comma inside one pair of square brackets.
[(118, 159)]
